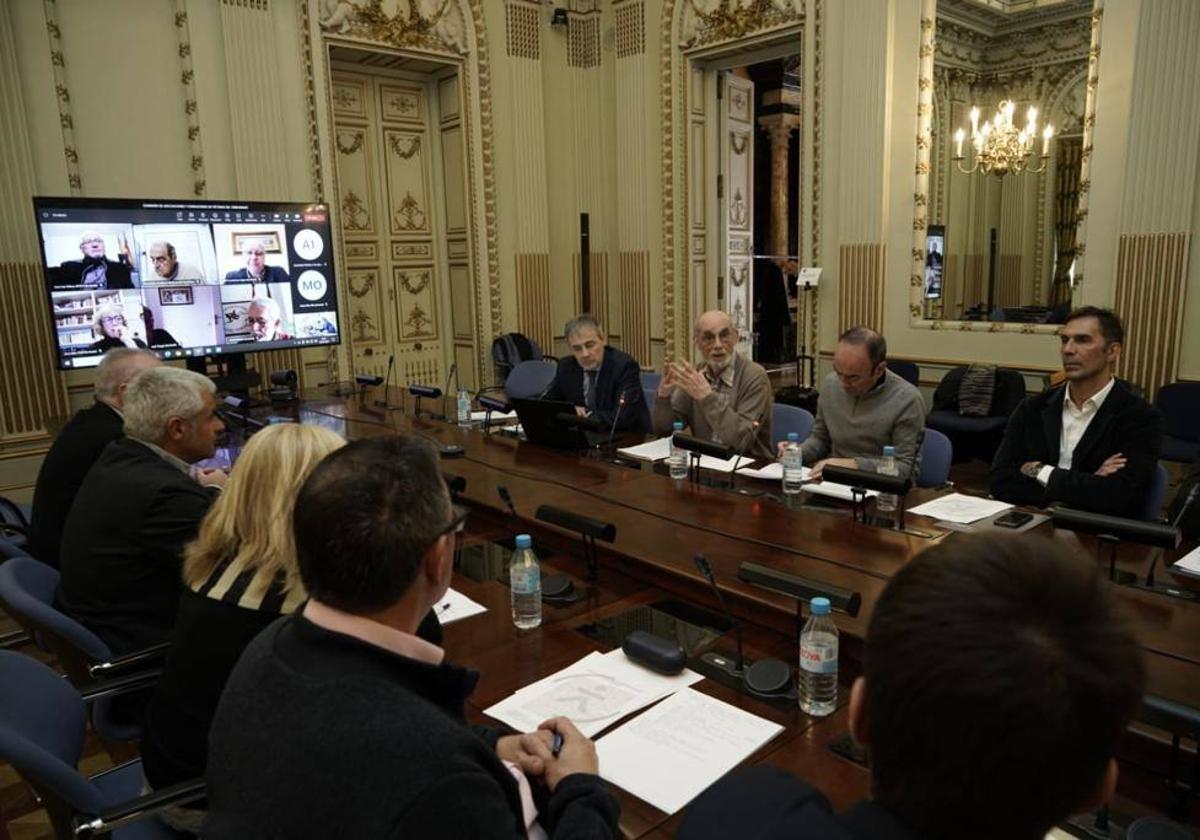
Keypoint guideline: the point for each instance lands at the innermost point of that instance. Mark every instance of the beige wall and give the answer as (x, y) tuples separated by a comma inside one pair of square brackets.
[(580, 127)]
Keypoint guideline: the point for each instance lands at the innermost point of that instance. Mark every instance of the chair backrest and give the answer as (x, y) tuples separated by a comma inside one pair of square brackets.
[(42, 725), (789, 418), (27, 591), (1157, 495), (908, 371), (8, 549), (1179, 403), (933, 461), (651, 395), (510, 349), (650, 379), (530, 379)]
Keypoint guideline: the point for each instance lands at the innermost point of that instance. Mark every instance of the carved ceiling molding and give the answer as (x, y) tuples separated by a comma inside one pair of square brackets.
[(1050, 43), (713, 21), (435, 25)]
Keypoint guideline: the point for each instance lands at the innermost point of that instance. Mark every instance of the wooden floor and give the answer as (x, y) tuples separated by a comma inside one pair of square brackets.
[(21, 817)]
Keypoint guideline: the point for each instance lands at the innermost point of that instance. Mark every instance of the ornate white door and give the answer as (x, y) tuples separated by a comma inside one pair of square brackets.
[(736, 200)]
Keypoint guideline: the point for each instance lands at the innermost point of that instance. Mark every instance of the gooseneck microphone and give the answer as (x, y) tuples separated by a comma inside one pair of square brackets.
[(450, 374), (755, 425), (556, 589), (616, 417), (387, 380), (706, 569), (502, 491), (765, 678)]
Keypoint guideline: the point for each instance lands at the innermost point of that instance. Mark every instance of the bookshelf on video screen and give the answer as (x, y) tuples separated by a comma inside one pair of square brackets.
[(186, 278)]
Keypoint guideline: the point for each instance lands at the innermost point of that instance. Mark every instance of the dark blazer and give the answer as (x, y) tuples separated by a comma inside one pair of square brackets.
[(766, 803), (122, 544), (319, 734), (619, 374), (1125, 423), (109, 343), (72, 454), (116, 274), (271, 274)]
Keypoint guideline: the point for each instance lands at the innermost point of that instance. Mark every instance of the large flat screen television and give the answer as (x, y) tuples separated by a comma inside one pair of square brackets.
[(186, 279)]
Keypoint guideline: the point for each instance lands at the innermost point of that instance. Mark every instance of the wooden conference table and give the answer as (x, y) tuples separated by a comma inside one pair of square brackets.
[(660, 525)]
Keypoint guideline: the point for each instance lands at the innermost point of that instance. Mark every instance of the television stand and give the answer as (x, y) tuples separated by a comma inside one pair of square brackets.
[(232, 376)]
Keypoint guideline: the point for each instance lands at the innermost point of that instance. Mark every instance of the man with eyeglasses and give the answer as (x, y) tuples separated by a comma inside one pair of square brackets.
[(342, 715), (257, 270), (95, 270), (863, 408), (727, 400), (167, 268), (264, 320)]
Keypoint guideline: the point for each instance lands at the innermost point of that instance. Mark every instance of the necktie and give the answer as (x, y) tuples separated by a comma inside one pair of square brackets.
[(589, 389)]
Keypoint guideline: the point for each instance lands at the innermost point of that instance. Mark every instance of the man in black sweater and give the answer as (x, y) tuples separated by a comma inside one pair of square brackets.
[(596, 377), (78, 446), (341, 720), (138, 506), (1092, 444), (999, 676)]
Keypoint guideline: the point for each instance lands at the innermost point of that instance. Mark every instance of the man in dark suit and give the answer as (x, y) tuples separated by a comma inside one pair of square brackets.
[(78, 446), (1092, 444), (138, 506), (95, 270), (1000, 675), (345, 691), (595, 378), (257, 270)]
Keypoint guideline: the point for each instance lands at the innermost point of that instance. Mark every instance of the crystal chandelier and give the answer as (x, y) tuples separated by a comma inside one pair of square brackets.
[(1000, 147)]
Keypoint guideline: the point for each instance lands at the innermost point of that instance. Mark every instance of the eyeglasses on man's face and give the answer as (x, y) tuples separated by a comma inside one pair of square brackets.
[(725, 336)]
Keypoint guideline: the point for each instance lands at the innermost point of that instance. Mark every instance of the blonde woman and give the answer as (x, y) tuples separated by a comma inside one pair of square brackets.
[(239, 575), (111, 329)]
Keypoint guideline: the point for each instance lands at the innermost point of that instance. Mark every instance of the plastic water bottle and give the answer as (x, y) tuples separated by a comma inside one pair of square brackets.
[(818, 676), (886, 502), (525, 578), (793, 470), (677, 460), (464, 407)]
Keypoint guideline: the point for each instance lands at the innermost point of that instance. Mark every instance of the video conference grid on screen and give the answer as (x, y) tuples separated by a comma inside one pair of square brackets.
[(186, 278)]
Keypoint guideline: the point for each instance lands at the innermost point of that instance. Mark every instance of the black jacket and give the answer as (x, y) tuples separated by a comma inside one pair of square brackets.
[(117, 275), (122, 545), (619, 374), (271, 274), (766, 803), (72, 454), (319, 735), (1125, 423)]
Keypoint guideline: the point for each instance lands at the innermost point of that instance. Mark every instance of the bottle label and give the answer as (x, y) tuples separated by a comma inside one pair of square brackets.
[(818, 658), (526, 581)]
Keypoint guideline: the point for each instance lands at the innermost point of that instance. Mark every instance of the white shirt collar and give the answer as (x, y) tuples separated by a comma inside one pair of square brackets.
[(1093, 402)]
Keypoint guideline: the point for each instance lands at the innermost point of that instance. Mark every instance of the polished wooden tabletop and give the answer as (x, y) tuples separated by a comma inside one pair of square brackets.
[(660, 525)]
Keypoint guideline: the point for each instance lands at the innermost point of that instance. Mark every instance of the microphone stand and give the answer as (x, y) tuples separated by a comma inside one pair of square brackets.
[(616, 417), (446, 388), (754, 427), (386, 403)]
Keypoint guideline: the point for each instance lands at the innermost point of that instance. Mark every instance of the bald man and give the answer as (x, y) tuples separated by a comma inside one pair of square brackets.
[(95, 270), (78, 446), (726, 400)]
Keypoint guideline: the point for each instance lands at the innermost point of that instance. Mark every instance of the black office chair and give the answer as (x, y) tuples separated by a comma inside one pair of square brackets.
[(973, 436)]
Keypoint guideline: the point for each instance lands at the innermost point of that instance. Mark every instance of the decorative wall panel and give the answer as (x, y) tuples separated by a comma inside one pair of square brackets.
[(251, 68), (583, 41), (860, 286), (416, 303), (407, 182), (533, 298), (1151, 279), (630, 29), (634, 277), (521, 30)]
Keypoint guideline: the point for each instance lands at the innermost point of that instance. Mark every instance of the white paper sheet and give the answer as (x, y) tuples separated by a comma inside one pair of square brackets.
[(771, 472), (478, 416), (456, 606), (955, 507), (835, 491), (1188, 564), (654, 450), (594, 693), (670, 754)]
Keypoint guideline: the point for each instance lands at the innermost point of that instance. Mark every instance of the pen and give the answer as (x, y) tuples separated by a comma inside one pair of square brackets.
[(557, 746)]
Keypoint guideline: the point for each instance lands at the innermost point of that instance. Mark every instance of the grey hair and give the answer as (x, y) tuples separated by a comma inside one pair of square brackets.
[(866, 337), (269, 304), (252, 244), (117, 367), (582, 322), (104, 311), (170, 248), (156, 395)]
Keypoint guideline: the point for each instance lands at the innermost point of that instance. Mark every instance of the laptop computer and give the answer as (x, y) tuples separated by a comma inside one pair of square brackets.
[(553, 423)]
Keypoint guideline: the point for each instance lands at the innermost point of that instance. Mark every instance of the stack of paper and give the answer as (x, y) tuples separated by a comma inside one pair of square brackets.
[(594, 693), (1189, 564), (670, 754), (774, 472), (654, 450), (456, 606), (477, 416), (960, 509)]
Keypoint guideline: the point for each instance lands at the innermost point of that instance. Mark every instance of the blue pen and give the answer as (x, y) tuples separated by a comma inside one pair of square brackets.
[(556, 747)]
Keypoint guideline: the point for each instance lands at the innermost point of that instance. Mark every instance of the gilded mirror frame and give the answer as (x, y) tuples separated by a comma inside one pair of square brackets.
[(916, 302)]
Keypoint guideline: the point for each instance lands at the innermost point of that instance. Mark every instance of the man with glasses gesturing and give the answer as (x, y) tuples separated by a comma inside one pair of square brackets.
[(726, 400)]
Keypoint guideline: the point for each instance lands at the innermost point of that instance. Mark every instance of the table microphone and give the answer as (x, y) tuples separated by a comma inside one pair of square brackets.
[(755, 425), (506, 498), (383, 403), (450, 374), (616, 417), (555, 588), (767, 677)]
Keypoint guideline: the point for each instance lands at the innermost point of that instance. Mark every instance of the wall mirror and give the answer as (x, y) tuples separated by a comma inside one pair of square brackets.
[(998, 227)]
